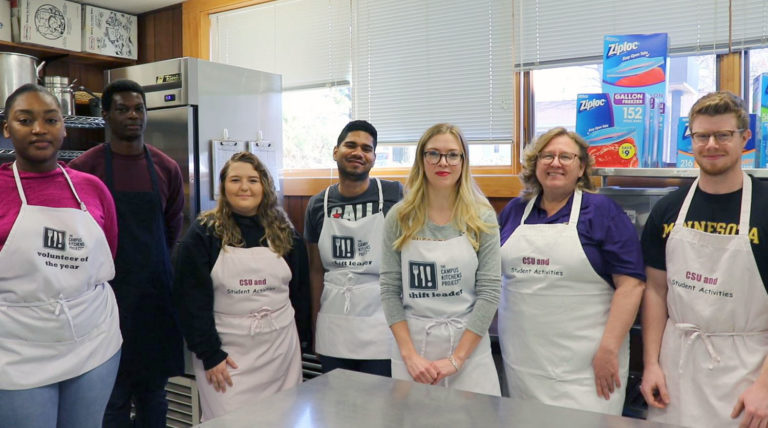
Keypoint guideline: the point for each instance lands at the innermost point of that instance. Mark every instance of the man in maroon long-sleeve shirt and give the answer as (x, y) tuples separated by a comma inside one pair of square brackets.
[(148, 191)]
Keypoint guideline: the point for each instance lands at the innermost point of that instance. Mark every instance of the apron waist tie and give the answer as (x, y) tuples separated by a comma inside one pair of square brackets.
[(450, 324), (696, 332), (347, 290), (258, 316), (61, 303)]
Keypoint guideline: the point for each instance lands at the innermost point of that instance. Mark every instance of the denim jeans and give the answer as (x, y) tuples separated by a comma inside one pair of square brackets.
[(78, 402), (147, 395)]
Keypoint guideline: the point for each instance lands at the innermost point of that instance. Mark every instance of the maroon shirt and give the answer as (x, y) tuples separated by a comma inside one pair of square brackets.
[(131, 175)]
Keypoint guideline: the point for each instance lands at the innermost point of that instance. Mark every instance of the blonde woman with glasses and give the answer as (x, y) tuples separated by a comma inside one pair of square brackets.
[(573, 278), (440, 279)]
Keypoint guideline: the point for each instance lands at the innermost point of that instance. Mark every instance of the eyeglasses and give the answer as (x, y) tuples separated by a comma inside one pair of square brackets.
[(452, 158), (722, 137), (565, 158)]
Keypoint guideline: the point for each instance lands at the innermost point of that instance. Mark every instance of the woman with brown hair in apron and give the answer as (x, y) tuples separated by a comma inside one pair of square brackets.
[(241, 289)]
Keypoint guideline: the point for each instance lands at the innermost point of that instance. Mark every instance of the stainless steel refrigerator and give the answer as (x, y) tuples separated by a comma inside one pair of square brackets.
[(200, 112)]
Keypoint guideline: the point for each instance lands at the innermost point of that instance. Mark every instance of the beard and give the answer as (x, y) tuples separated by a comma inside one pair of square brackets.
[(352, 175), (720, 168)]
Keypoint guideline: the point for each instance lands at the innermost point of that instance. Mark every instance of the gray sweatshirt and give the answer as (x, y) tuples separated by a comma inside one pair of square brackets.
[(487, 276)]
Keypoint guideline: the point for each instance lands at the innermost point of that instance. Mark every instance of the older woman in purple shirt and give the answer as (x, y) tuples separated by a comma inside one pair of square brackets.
[(573, 279)]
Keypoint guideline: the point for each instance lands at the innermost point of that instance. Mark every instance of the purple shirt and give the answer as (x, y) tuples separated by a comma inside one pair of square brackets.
[(607, 235)]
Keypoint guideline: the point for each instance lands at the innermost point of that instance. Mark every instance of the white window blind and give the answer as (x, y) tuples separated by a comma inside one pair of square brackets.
[(417, 63), (306, 41), (750, 23), (552, 32)]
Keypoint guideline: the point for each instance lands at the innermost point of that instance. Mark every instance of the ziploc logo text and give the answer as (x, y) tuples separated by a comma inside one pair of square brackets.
[(586, 105), (621, 48)]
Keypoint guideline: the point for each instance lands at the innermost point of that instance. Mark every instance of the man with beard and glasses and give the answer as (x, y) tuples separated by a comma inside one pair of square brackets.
[(148, 191), (705, 309), (343, 228)]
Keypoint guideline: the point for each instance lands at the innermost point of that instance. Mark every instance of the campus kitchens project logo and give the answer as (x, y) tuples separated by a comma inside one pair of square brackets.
[(54, 239), (422, 275), (343, 247)]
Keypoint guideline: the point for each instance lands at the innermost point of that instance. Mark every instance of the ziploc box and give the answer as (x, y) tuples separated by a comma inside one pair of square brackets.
[(5, 20), (749, 154), (108, 32), (760, 108), (685, 157), (635, 63), (54, 23), (614, 125)]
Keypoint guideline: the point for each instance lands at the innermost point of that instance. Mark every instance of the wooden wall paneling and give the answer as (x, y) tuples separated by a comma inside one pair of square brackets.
[(729, 72), (295, 207), (160, 34)]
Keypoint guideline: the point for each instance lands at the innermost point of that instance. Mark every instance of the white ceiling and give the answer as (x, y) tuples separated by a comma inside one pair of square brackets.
[(134, 7)]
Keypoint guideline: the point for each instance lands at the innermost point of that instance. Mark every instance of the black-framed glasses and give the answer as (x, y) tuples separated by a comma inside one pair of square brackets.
[(565, 158), (722, 137), (451, 158)]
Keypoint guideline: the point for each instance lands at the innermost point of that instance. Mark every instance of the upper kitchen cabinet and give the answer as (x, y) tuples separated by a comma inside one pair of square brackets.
[(159, 38)]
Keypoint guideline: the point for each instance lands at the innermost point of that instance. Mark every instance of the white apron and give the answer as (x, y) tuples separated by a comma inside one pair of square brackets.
[(351, 322), (58, 316), (553, 311), (438, 296), (716, 337), (254, 320)]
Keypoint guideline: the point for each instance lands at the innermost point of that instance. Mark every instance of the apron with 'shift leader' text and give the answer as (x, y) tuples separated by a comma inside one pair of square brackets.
[(351, 322), (58, 317), (716, 336), (438, 295), (553, 311)]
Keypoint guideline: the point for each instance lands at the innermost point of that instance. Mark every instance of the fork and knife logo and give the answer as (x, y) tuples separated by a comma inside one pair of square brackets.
[(343, 247), (423, 275), (54, 239)]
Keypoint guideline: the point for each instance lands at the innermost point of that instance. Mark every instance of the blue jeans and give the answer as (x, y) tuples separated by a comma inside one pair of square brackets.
[(78, 402), (376, 367), (148, 395)]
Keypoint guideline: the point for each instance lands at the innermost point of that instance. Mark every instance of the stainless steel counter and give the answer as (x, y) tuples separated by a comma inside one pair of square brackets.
[(345, 399)]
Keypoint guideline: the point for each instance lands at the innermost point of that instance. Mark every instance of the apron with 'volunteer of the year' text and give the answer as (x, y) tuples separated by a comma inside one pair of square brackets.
[(351, 322), (716, 336), (58, 316), (553, 311), (438, 296), (255, 322)]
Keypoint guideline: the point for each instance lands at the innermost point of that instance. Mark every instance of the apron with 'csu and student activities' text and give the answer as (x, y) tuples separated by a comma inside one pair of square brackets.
[(438, 295), (255, 322), (351, 322), (716, 336), (552, 316), (58, 316)]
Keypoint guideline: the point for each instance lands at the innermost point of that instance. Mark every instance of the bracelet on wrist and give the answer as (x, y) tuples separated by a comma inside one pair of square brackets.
[(453, 362)]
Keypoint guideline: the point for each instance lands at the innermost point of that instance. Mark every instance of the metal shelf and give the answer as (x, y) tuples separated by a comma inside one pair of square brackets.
[(665, 172), (83, 122)]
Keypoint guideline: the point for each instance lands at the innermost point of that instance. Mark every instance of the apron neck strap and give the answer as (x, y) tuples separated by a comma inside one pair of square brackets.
[(573, 219), (744, 213), (23, 197), (109, 173), (381, 197)]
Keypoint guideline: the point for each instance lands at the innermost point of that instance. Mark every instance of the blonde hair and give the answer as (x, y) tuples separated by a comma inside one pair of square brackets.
[(470, 201), (278, 230), (532, 186)]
